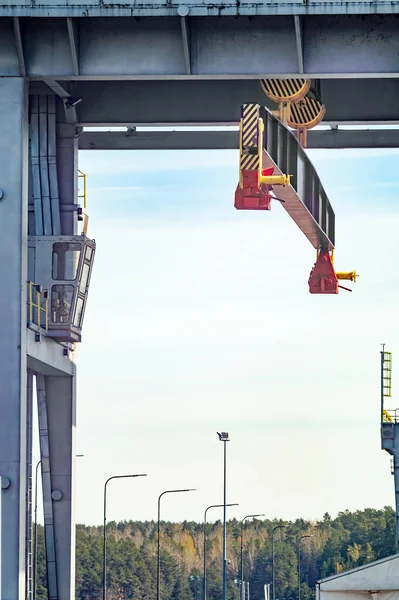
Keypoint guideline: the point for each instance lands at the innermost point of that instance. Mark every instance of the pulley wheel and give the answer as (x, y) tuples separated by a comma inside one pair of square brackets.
[(285, 90)]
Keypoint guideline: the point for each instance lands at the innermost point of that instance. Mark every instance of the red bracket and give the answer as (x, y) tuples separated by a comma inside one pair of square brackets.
[(252, 196), (322, 279)]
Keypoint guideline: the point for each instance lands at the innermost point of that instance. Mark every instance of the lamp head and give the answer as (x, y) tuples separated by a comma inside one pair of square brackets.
[(223, 436)]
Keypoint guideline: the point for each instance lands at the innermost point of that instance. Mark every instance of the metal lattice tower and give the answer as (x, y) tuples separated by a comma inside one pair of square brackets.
[(390, 427)]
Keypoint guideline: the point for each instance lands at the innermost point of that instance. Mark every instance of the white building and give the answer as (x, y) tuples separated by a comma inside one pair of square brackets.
[(378, 580)]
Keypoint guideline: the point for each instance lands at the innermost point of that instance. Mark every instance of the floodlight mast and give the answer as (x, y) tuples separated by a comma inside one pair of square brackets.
[(224, 437)]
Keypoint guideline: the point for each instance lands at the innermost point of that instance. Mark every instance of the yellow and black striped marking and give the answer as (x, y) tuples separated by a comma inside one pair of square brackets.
[(306, 113), (249, 137), (285, 90)]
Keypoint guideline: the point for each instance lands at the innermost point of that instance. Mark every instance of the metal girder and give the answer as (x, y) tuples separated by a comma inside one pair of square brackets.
[(299, 44), (228, 140), (158, 140), (131, 8), (185, 32), (130, 103), (317, 46), (18, 47), (49, 532), (70, 103), (304, 199), (57, 88), (74, 44)]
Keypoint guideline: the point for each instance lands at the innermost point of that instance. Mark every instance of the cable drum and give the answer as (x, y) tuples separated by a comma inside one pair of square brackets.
[(285, 90), (306, 113)]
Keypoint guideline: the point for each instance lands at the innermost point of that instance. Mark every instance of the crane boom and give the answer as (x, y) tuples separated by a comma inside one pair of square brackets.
[(274, 166)]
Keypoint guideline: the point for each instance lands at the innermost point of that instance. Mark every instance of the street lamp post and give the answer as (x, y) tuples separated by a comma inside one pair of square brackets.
[(273, 573), (299, 562), (242, 552), (206, 510), (35, 529), (224, 437), (105, 526), (158, 544)]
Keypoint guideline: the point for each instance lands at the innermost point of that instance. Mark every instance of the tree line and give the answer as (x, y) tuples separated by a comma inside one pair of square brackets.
[(336, 545)]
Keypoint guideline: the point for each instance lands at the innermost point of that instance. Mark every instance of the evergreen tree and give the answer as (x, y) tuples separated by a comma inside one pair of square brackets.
[(349, 540)]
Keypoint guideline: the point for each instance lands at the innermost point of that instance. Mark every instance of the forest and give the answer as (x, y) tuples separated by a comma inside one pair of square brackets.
[(335, 545)]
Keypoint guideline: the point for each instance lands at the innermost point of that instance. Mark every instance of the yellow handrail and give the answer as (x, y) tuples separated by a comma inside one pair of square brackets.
[(41, 305), (83, 176), (386, 417)]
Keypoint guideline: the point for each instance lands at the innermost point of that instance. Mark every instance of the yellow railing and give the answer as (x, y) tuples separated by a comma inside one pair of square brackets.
[(38, 305), (82, 194), (387, 417)]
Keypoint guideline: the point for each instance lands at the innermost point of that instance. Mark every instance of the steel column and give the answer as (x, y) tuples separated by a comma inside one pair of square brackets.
[(61, 413), (29, 539), (1, 493), (13, 376), (49, 535)]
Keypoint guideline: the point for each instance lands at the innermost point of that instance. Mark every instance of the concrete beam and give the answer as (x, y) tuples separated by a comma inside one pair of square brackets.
[(197, 8), (135, 103), (158, 140), (256, 46), (228, 140)]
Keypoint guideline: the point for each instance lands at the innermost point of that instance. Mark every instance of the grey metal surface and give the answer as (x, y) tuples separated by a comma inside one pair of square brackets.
[(43, 162), (45, 457), (216, 47), (29, 539), (348, 101), (61, 395), (305, 199), (19, 347), (228, 140), (1, 519), (390, 443), (13, 407), (48, 357), (67, 161), (35, 166), (54, 188), (129, 8), (52, 166)]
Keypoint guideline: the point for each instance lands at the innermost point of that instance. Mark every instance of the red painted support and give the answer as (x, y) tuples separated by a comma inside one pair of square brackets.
[(322, 279), (253, 196)]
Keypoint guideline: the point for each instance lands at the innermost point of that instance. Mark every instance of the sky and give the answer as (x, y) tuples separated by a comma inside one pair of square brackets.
[(199, 320)]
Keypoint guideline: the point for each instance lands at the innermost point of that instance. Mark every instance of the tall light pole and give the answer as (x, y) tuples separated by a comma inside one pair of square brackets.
[(299, 562), (224, 437), (273, 576), (35, 529), (105, 526), (206, 510), (242, 551), (158, 544)]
